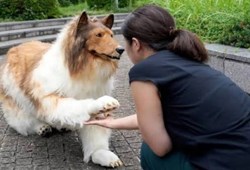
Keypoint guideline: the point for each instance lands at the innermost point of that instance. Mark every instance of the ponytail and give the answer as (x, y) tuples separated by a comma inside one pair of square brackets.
[(188, 44)]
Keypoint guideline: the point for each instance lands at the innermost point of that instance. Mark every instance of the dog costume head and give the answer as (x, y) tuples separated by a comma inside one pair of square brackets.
[(91, 39)]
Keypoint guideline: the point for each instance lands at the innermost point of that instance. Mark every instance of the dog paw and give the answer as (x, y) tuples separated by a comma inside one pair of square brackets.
[(105, 105), (106, 158), (116, 163), (44, 130)]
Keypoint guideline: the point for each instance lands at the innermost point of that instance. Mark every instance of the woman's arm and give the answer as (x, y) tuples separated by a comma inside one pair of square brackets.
[(126, 123), (150, 117)]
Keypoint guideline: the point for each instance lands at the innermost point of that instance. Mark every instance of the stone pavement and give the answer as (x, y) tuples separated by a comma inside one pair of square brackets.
[(62, 151)]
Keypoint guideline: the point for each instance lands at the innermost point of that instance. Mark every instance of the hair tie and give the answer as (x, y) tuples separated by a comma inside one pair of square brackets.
[(171, 31)]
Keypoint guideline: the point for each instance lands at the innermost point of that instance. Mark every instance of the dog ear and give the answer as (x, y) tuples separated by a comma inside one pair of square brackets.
[(83, 20), (108, 21)]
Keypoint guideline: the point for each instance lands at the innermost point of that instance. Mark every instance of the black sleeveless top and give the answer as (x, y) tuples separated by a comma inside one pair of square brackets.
[(206, 114)]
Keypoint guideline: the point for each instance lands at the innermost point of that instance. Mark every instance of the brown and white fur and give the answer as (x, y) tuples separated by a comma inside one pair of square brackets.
[(64, 84)]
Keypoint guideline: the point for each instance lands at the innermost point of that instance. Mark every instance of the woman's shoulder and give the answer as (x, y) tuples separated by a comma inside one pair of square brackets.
[(164, 54), (157, 58), (154, 66), (163, 59)]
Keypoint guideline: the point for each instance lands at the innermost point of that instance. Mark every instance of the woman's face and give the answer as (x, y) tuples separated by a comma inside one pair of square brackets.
[(133, 52)]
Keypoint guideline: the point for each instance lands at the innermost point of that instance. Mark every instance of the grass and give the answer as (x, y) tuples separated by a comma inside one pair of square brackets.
[(6, 20), (215, 21), (73, 9), (77, 9)]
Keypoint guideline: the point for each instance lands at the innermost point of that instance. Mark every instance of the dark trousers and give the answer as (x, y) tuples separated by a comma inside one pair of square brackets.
[(171, 161)]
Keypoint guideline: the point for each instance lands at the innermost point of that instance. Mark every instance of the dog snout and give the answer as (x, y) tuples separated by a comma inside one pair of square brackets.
[(119, 50)]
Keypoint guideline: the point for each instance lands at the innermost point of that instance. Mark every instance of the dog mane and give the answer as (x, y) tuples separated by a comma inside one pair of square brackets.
[(74, 50)]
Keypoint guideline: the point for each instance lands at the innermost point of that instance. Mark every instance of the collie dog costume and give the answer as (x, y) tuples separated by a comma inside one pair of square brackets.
[(64, 84)]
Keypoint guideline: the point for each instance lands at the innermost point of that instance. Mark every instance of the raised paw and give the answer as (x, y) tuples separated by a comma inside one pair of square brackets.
[(44, 130), (106, 104)]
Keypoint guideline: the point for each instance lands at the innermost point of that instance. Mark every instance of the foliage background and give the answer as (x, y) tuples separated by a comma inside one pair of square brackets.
[(29, 9), (215, 21)]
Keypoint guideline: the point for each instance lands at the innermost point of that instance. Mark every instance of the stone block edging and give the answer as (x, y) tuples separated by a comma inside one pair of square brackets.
[(233, 62), (229, 52)]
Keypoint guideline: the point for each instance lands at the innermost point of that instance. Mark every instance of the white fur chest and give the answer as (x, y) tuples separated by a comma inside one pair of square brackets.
[(92, 89), (53, 77)]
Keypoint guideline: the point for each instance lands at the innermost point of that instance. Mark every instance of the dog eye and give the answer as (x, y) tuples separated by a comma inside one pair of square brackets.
[(111, 35), (99, 35)]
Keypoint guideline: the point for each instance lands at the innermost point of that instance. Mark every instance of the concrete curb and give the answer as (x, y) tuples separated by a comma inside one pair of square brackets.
[(233, 62)]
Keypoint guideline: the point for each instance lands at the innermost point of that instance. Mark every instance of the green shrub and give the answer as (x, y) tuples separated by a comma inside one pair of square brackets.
[(74, 2), (8, 10), (29, 9), (123, 3), (64, 3), (107, 4), (238, 32), (99, 4)]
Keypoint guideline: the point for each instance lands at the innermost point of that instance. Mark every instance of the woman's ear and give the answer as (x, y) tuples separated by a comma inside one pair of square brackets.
[(136, 44)]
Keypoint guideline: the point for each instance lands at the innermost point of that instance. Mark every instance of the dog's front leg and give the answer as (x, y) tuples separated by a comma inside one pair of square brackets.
[(72, 113), (95, 141)]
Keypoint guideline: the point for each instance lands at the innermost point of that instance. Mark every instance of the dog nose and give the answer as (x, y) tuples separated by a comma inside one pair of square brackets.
[(119, 50)]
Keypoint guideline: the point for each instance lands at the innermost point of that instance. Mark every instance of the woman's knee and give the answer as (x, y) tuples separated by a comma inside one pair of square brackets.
[(149, 160), (173, 160), (147, 157)]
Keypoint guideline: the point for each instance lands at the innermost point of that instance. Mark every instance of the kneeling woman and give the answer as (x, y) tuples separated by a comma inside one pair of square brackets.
[(190, 115)]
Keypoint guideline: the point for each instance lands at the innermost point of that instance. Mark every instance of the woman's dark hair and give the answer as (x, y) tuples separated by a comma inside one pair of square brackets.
[(154, 26)]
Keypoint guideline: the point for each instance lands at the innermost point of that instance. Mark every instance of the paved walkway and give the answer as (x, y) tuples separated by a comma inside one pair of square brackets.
[(62, 151)]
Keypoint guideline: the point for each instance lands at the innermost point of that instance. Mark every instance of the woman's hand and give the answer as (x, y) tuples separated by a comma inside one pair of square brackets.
[(125, 123), (107, 122)]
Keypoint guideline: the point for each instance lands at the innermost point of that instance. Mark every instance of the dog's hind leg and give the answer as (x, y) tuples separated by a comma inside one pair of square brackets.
[(23, 122), (95, 142)]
